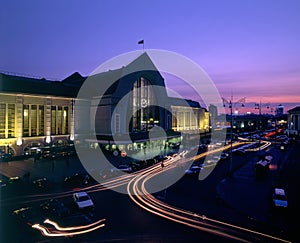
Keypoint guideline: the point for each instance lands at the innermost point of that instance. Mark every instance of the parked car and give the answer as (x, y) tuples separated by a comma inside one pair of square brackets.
[(54, 207), (142, 164), (78, 179), (279, 198), (6, 157), (14, 180), (159, 158), (3, 183), (125, 168), (41, 183), (29, 215), (135, 166), (83, 200)]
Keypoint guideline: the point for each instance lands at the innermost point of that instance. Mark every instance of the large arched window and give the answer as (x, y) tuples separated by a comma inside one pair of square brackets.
[(145, 113)]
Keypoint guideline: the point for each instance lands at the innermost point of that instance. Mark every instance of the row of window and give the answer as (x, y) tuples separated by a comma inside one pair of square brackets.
[(33, 120), (7, 120)]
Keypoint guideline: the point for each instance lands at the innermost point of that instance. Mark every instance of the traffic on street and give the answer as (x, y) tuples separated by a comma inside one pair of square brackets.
[(250, 200)]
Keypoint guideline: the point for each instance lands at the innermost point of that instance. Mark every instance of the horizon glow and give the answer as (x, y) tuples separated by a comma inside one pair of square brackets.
[(249, 48)]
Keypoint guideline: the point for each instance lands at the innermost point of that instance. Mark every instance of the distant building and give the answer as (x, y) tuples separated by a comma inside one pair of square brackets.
[(191, 117), (279, 110), (213, 113), (294, 121)]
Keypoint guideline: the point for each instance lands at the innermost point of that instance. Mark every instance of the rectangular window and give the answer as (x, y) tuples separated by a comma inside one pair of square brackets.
[(11, 116), (118, 125), (41, 121), (2, 120), (174, 121), (180, 120), (25, 120), (59, 120), (53, 120), (187, 120), (194, 119), (33, 120), (66, 120)]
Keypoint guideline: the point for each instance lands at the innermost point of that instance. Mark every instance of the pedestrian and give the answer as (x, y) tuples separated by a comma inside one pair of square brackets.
[(162, 165)]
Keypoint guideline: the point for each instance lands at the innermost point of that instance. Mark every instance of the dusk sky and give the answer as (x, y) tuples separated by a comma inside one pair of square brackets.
[(248, 48)]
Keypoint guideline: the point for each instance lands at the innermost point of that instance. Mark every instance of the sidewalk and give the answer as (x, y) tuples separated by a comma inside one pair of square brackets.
[(54, 170)]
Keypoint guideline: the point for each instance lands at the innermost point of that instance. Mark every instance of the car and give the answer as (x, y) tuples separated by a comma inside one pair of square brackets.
[(125, 168), (193, 170), (41, 183), (6, 157), (30, 215), (150, 162), (159, 158), (11, 184), (102, 174), (142, 164), (78, 179), (279, 198), (83, 200), (202, 147), (135, 166), (3, 183), (54, 207), (224, 155)]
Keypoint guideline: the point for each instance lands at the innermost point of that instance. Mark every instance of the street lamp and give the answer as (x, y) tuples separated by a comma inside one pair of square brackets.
[(258, 106), (230, 104)]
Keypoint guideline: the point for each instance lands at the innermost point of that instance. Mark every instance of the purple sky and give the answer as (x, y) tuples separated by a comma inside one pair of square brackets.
[(248, 48)]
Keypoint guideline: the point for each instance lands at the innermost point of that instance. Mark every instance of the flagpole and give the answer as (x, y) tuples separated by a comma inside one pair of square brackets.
[(142, 42)]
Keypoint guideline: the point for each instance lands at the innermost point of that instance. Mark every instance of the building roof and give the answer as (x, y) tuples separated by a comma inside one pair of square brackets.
[(184, 102), (26, 85), (121, 80), (295, 109), (74, 79)]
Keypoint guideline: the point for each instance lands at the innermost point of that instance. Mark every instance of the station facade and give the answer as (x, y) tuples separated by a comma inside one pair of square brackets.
[(39, 112)]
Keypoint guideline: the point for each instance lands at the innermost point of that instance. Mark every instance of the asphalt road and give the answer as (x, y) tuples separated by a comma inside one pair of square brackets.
[(126, 222)]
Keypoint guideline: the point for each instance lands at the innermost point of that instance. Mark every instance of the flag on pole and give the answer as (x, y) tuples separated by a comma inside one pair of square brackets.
[(141, 42)]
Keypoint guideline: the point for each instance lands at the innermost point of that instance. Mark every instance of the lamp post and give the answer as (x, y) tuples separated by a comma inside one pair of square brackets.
[(230, 104), (258, 107)]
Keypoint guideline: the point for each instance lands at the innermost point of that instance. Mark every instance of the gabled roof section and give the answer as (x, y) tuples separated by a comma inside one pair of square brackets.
[(141, 66), (142, 62), (74, 79)]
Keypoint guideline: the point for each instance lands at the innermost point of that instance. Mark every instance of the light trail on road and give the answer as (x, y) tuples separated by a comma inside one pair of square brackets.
[(67, 231), (137, 191)]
